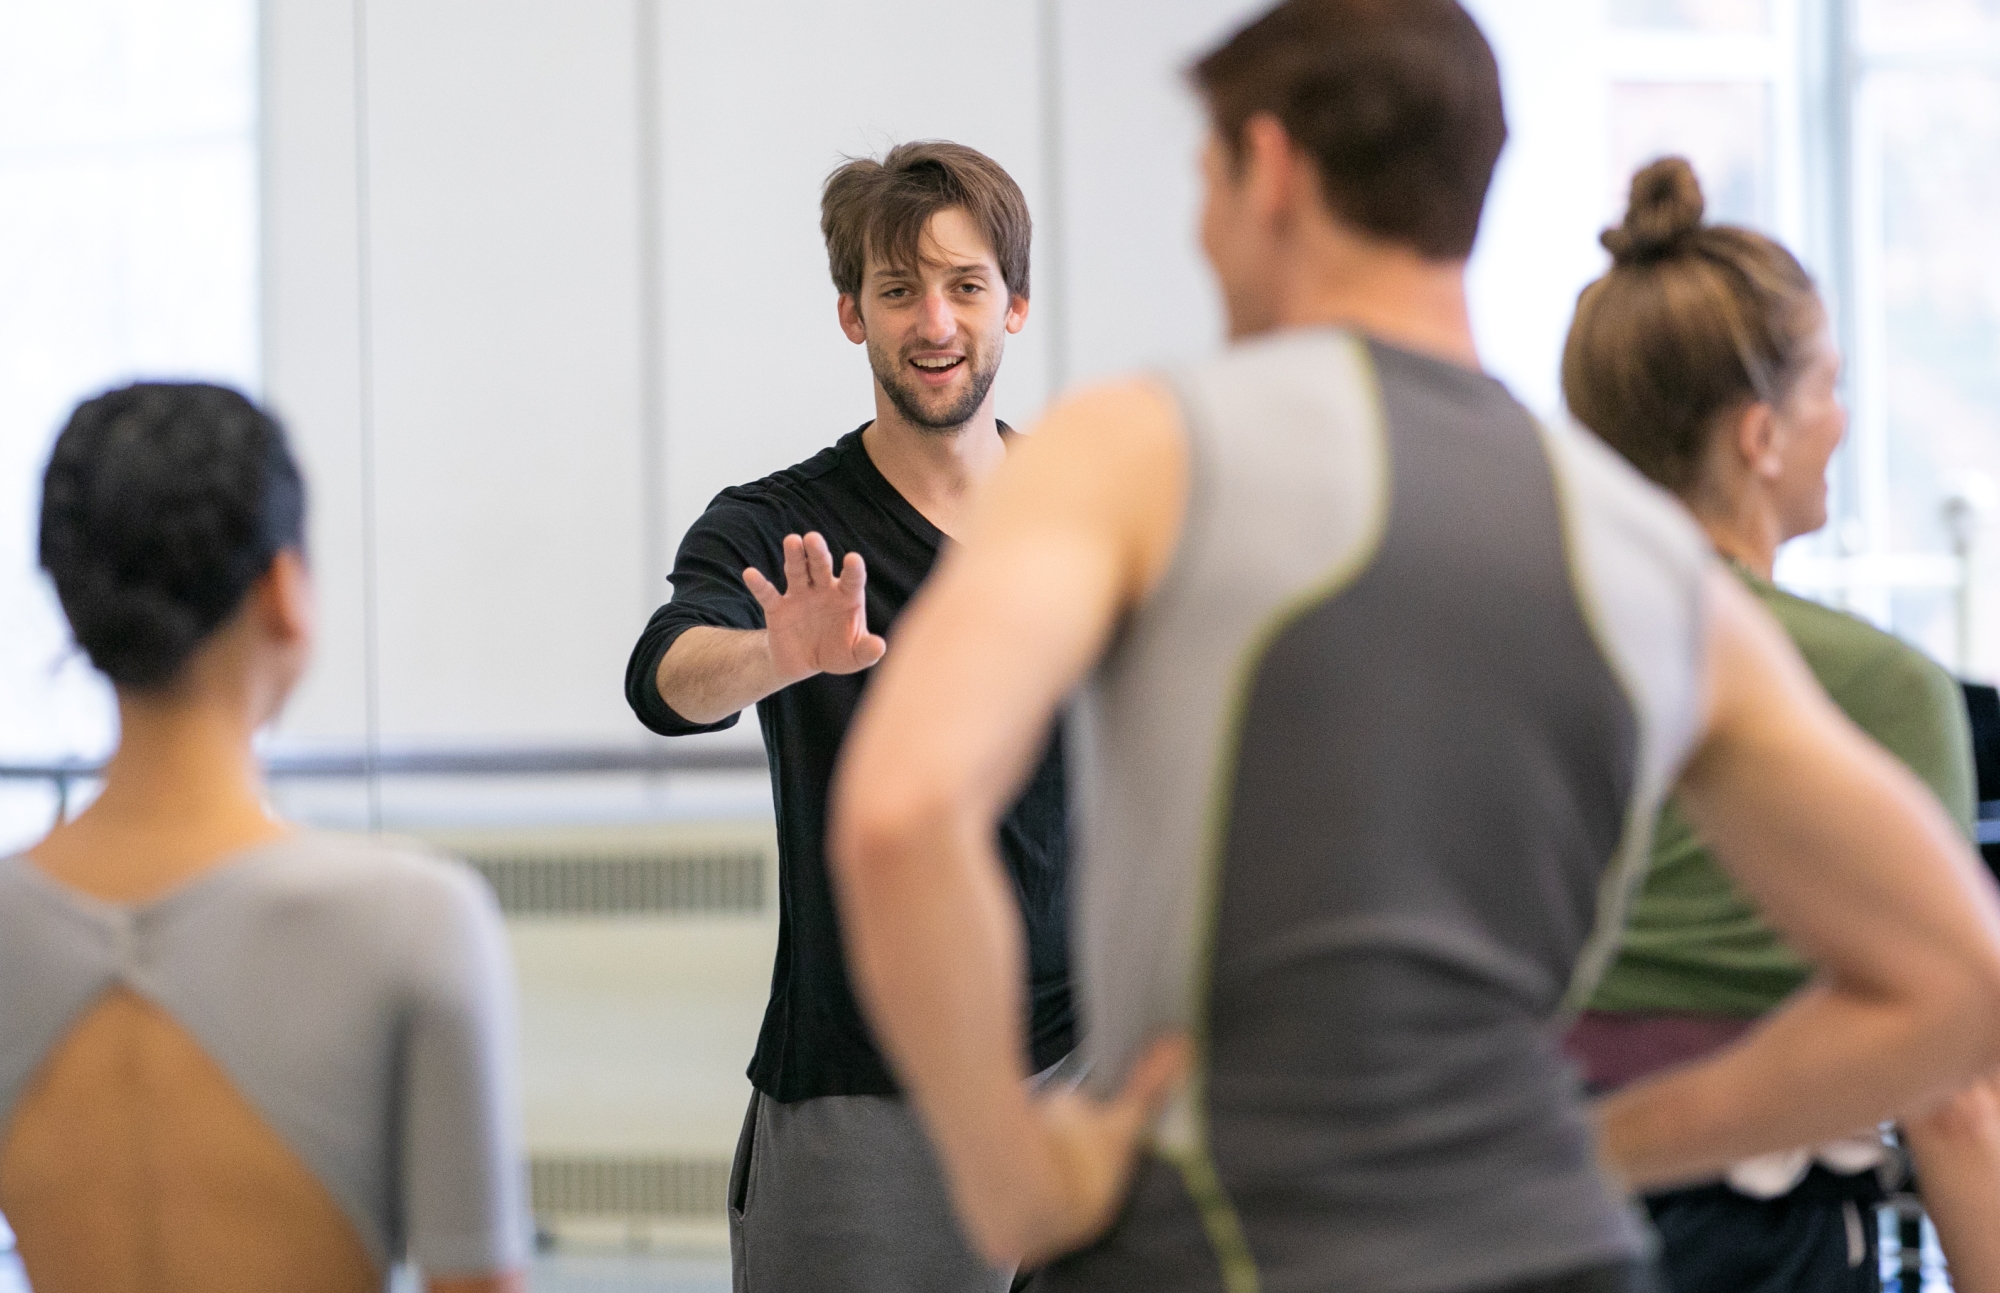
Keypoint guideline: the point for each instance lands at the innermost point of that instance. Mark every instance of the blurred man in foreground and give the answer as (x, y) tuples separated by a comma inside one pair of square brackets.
[(1384, 685)]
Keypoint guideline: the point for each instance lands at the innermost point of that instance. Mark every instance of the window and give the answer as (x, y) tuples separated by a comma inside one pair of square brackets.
[(128, 247), (1714, 81), (1752, 16), (1923, 327)]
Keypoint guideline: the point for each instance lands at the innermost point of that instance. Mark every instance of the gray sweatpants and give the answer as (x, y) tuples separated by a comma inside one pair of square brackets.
[(843, 1194)]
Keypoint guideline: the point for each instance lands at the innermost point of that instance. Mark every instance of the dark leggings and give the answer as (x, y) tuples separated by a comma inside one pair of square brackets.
[(1820, 1238)]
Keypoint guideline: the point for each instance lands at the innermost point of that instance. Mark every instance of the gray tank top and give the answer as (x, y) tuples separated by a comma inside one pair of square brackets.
[(1363, 788), (358, 993)]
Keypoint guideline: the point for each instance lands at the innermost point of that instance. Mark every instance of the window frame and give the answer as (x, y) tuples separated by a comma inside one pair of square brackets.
[(1849, 563)]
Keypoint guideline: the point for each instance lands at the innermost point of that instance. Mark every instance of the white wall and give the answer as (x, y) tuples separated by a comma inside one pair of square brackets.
[(596, 293), (311, 288), (1140, 293), (502, 369), (1551, 194)]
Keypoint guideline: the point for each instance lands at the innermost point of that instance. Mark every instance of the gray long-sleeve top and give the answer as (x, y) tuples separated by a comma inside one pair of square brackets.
[(357, 992)]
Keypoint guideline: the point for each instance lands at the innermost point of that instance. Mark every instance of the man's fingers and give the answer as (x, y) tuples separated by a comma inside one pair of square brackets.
[(1097, 1141), (761, 588), (819, 561), (1153, 1081), (795, 563), (853, 575), (869, 648)]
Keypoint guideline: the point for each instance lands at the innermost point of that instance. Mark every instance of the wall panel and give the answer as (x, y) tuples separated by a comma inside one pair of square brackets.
[(507, 440), (311, 333)]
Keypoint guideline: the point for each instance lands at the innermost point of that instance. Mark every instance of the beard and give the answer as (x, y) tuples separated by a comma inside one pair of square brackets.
[(935, 412)]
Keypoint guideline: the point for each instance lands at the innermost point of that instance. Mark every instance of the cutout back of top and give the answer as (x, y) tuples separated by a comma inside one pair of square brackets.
[(133, 1165), (338, 1006)]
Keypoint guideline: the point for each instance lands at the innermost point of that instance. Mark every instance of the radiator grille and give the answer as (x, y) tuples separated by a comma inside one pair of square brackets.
[(629, 1187), (730, 880)]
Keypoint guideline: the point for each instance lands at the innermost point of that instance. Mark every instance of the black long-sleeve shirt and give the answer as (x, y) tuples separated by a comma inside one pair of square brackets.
[(814, 1041)]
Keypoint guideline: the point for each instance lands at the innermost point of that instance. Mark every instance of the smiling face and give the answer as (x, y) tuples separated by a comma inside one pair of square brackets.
[(936, 330)]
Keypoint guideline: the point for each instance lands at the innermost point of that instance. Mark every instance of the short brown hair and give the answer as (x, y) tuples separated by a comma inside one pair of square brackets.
[(1692, 322), (1397, 102), (883, 207)]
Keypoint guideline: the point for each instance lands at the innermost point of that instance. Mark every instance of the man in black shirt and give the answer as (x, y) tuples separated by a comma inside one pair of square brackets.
[(834, 1186)]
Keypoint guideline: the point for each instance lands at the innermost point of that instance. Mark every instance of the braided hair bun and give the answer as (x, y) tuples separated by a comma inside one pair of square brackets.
[(162, 504), (1662, 217)]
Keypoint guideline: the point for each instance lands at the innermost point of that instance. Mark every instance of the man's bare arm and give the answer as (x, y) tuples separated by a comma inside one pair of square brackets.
[(817, 624), (710, 673), (1956, 1148), (1852, 859), (1078, 525)]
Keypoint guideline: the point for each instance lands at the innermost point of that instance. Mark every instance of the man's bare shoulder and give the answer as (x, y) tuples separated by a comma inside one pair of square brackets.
[(1130, 414), (1109, 460), (1107, 443)]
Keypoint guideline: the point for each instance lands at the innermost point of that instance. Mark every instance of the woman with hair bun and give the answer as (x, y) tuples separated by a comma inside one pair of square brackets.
[(1705, 356), (234, 1056)]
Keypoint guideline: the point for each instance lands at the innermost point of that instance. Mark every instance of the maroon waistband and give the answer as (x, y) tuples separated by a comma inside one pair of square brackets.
[(1614, 1049)]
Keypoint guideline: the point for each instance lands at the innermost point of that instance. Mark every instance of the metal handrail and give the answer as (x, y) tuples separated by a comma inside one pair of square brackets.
[(531, 761)]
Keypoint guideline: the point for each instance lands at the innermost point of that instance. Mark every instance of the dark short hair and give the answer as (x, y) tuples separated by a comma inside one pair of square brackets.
[(1396, 101), (162, 504), (883, 207), (1692, 322)]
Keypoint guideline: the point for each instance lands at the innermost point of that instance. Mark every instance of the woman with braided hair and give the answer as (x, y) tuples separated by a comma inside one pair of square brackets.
[(234, 1056)]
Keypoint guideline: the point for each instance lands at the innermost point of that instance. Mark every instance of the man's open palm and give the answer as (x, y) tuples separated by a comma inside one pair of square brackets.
[(819, 624)]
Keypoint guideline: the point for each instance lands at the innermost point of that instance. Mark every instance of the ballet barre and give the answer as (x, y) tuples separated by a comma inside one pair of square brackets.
[(416, 761)]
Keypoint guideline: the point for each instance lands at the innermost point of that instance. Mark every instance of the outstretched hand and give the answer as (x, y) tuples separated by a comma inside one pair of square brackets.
[(819, 623)]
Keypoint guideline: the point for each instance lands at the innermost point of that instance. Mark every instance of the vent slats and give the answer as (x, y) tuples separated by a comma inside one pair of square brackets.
[(629, 1187), (586, 884)]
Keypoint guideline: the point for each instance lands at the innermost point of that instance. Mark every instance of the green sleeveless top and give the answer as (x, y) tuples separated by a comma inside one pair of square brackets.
[(1693, 942)]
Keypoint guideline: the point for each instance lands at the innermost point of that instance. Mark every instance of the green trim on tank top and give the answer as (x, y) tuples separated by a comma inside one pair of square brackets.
[(1626, 873), (1194, 1158)]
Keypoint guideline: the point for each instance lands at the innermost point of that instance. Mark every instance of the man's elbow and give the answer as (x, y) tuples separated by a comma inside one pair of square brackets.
[(879, 825), (1982, 1007), (1964, 1006), (1970, 1115)]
